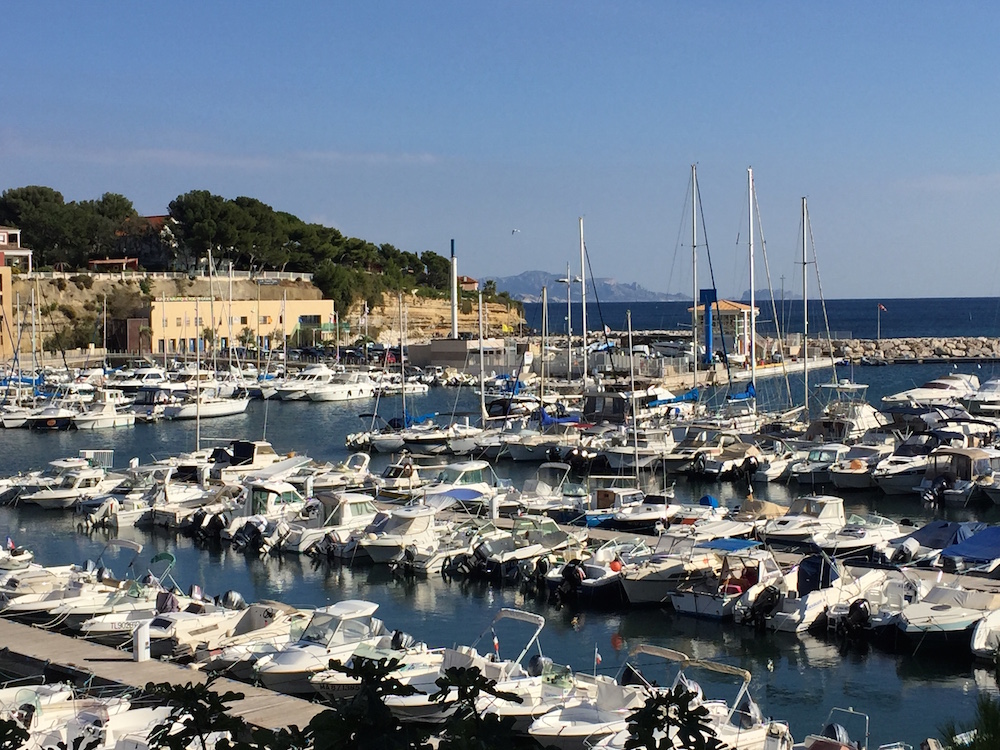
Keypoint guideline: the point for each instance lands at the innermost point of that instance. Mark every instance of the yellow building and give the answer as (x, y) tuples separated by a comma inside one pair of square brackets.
[(8, 325), (176, 324)]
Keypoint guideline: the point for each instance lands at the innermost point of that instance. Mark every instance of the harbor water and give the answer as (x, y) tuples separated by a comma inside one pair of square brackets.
[(795, 678)]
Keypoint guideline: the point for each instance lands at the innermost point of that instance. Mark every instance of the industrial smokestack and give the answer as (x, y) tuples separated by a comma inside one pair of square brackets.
[(454, 292)]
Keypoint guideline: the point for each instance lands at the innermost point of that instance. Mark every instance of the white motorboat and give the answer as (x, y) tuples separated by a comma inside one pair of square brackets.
[(674, 560), (406, 526), (859, 534), (477, 480), (267, 503), (420, 707), (75, 486), (296, 388), (806, 517), (264, 628), (344, 386), (206, 405), (352, 473), (108, 409), (902, 470), (945, 618), (335, 632), (738, 724), (955, 476), (596, 580), (922, 547), (130, 381), (417, 663), (875, 613), (654, 512), (854, 470), (744, 564), (814, 469), (338, 515), (801, 599), (846, 417), (508, 557), (943, 391), (985, 401), (447, 553)]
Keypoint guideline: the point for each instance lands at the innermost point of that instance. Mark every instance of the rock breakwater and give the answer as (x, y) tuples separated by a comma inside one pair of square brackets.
[(915, 349)]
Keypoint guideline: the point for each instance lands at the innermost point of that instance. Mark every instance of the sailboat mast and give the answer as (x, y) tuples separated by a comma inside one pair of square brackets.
[(402, 366), (545, 328), (583, 299), (482, 365), (197, 377), (752, 352), (632, 410), (694, 271), (805, 310)]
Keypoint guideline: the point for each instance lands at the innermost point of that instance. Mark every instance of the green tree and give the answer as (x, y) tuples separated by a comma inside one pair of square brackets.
[(363, 720), (437, 271), (44, 219), (668, 720)]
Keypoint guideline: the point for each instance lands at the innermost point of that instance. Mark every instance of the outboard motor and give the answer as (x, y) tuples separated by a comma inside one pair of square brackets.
[(249, 537), (905, 552), (859, 617), (837, 733), (233, 600), (537, 665), (935, 495), (401, 640), (763, 607)]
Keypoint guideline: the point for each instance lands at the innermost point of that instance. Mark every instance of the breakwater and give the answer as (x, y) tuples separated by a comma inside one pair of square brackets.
[(918, 349)]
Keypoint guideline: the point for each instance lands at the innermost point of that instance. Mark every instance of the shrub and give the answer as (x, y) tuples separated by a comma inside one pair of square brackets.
[(82, 281), (68, 311), (61, 284)]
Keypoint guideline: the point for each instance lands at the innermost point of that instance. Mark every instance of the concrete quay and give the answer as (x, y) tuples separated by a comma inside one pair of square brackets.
[(30, 651)]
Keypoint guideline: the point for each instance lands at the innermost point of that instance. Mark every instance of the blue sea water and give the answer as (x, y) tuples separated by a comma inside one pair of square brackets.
[(795, 678), (848, 318)]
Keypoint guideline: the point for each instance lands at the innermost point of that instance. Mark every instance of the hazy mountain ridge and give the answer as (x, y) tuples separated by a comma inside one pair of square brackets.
[(527, 287)]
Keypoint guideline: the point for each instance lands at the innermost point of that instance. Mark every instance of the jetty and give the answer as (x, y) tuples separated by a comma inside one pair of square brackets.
[(32, 651)]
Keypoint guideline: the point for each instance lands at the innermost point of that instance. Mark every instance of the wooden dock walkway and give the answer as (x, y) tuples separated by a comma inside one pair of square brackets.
[(30, 651)]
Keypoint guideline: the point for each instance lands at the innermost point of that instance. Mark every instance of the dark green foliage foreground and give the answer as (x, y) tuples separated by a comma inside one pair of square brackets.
[(199, 720)]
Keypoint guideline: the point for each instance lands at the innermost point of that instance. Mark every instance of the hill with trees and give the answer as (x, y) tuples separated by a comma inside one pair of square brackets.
[(243, 231)]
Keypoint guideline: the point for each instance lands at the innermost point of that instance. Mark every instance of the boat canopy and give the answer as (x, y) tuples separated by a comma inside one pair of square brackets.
[(726, 544), (983, 547), (940, 534)]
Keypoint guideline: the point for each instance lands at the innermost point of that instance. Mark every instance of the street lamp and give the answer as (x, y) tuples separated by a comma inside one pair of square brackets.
[(569, 281)]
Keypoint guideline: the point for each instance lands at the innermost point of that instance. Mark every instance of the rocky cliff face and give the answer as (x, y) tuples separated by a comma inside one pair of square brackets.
[(65, 301)]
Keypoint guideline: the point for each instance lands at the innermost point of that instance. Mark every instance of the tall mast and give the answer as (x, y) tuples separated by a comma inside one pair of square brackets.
[(545, 327), (569, 326), (163, 320), (583, 299), (694, 269), (805, 310), (633, 417), (197, 378), (402, 366), (482, 365), (752, 353)]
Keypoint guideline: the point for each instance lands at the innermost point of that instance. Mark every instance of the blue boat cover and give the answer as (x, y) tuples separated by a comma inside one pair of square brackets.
[(692, 396), (709, 501), (749, 393), (982, 547), (728, 545), (940, 534), (548, 419)]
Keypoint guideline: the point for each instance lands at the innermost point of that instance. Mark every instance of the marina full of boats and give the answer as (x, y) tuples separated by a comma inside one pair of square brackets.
[(565, 536)]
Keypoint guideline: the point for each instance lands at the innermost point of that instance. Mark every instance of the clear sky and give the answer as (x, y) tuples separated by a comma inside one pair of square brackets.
[(416, 122)]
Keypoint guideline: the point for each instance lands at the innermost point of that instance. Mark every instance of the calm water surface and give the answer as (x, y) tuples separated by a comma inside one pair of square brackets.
[(797, 679)]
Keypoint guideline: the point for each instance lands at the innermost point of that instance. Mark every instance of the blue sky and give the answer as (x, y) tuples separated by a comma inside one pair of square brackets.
[(416, 122)]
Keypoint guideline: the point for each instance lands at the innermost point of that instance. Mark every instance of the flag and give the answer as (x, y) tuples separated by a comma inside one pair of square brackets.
[(496, 643), (597, 657), (10, 544), (505, 328), (607, 329), (882, 307)]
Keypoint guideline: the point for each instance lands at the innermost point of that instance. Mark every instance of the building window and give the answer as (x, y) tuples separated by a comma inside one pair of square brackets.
[(309, 320), (179, 322), (243, 320)]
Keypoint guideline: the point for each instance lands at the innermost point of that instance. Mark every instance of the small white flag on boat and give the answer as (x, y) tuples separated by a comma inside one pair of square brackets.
[(10, 544), (597, 657), (496, 643)]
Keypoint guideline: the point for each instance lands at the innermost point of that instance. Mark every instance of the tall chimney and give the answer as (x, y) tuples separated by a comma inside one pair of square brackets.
[(454, 292)]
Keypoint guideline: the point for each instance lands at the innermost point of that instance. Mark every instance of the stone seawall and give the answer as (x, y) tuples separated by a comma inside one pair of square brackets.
[(931, 347)]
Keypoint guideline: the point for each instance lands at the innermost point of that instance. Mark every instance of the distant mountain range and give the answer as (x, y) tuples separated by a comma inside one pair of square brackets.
[(527, 287)]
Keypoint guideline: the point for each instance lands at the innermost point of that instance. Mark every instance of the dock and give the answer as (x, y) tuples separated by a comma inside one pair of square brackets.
[(32, 651)]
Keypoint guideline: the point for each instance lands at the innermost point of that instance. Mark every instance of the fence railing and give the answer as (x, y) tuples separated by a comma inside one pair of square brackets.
[(260, 276)]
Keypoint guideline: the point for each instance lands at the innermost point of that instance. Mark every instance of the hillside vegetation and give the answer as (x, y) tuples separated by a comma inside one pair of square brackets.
[(244, 231)]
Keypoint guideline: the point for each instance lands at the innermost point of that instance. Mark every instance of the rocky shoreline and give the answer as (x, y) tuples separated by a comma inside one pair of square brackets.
[(914, 349)]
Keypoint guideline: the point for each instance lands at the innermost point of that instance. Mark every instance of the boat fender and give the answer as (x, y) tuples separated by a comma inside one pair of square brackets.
[(732, 589)]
